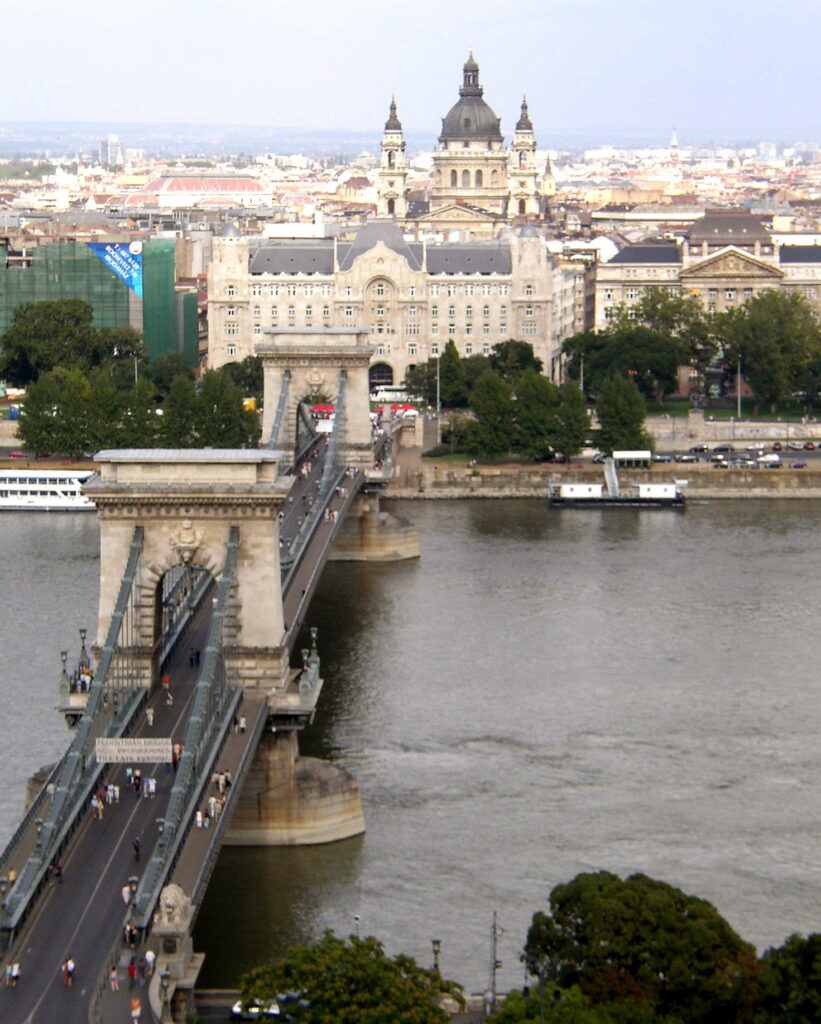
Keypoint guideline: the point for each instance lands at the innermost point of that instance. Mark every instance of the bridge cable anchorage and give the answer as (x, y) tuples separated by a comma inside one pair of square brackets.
[(212, 709), (79, 770)]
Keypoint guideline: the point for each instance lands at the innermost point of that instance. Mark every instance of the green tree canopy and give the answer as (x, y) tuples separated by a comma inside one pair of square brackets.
[(221, 420), (351, 981), (44, 335), (640, 941), (536, 416), (512, 358), (452, 385), (246, 375), (55, 415), (776, 336), (791, 982), (572, 420), (180, 414), (622, 412), (491, 400), (164, 370)]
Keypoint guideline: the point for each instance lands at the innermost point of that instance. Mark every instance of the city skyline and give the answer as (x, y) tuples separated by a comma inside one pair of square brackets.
[(729, 71)]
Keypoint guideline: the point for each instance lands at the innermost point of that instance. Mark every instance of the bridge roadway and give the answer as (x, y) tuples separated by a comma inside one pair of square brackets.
[(83, 915)]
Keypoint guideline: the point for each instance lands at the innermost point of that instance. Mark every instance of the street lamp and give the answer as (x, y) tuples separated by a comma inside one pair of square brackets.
[(356, 920), (437, 945), (133, 882), (38, 824), (165, 981), (438, 403)]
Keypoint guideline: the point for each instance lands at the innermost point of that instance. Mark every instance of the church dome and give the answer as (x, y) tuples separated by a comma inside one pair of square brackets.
[(470, 117)]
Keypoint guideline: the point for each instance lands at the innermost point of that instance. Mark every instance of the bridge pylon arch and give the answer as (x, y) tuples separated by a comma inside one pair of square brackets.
[(187, 500)]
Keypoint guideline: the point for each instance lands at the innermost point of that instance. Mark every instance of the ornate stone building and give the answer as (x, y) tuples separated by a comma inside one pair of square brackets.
[(478, 184), (724, 259), (414, 297)]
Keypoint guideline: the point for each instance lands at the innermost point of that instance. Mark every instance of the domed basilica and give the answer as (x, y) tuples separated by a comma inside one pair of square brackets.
[(478, 184)]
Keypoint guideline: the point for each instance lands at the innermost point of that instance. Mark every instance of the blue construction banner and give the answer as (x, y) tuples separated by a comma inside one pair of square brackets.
[(125, 259)]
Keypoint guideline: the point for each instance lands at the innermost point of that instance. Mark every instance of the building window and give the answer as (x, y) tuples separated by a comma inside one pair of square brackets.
[(451, 329), (434, 290), (325, 290), (434, 349), (274, 313), (231, 311), (748, 293), (608, 312), (257, 329), (468, 349), (502, 328), (529, 329), (348, 291), (412, 311), (231, 349), (347, 312), (379, 288), (308, 290), (729, 293), (503, 289), (256, 289), (485, 311), (309, 312), (631, 293), (468, 328), (380, 310), (290, 290), (469, 289), (503, 311), (468, 312), (485, 350), (454, 180), (477, 179), (608, 294), (411, 348), (434, 328), (291, 312), (380, 350), (487, 289), (452, 290), (231, 291), (528, 311), (528, 289), (257, 311), (231, 329), (465, 178), (273, 290), (451, 310), (434, 312), (412, 291), (485, 330), (411, 328), (326, 311)]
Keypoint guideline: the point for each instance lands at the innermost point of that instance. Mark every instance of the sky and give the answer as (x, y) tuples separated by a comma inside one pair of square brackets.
[(714, 69)]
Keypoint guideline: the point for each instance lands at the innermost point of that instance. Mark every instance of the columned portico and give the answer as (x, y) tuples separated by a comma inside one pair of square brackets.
[(315, 357), (186, 500)]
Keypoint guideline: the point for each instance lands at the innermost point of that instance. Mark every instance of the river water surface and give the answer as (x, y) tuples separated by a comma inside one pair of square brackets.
[(542, 693)]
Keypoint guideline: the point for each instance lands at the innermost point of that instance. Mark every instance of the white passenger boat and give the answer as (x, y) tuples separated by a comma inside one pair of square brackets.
[(44, 490)]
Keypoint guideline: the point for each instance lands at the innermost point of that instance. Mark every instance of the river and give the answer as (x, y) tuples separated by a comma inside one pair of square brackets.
[(542, 693)]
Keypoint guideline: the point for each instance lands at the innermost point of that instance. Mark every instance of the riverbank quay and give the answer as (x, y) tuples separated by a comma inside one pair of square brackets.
[(417, 479)]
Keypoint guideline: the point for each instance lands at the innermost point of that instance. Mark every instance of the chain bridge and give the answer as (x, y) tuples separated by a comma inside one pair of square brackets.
[(186, 719)]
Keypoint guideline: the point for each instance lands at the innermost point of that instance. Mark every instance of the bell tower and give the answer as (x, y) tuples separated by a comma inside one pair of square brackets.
[(393, 170), (522, 168)]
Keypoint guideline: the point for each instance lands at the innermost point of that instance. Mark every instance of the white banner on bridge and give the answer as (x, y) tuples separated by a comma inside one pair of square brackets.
[(138, 751)]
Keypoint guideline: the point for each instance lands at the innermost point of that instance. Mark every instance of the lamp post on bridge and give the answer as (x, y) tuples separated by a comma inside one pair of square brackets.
[(165, 981), (437, 945), (84, 659)]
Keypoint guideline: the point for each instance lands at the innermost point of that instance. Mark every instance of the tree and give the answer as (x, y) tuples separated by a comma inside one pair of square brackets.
[(140, 424), (536, 412), (776, 336), (44, 335), (644, 942), (621, 413), (512, 358), (452, 387), (180, 414), (55, 415), (246, 375), (222, 420), (572, 420), (492, 404), (420, 382), (791, 982), (351, 982), (164, 370)]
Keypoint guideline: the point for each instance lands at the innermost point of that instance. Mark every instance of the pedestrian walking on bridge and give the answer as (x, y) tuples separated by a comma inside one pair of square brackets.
[(135, 846), (68, 968), (136, 1009)]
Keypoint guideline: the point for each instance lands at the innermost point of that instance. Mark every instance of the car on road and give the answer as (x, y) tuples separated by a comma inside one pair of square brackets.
[(254, 1011), (798, 465), (685, 457), (662, 457), (697, 449), (756, 446), (771, 461), (796, 446), (777, 446), (19, 455), (809, 446), (725, 448)]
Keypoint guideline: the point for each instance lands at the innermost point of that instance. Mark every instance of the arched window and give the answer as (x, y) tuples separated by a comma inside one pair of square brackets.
[(391, 206), (521, 158), (477, 179), (521, 206), (454, 181), (391, 155), (465, 179), (494, 177), (380, 374)]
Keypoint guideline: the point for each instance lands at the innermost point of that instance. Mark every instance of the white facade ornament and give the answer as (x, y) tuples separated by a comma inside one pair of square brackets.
[(186, 541)]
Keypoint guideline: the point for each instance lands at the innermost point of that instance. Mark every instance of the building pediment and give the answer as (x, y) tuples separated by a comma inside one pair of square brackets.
[(732, 264), (459, 213)]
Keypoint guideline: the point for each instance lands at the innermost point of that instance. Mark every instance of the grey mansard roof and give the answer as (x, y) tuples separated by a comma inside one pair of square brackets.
[(800, 254), (667, 252), (367, 237), (467, 258), (294, 256)]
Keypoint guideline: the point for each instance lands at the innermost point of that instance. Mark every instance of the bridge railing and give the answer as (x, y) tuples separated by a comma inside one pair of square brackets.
[(282, 407), (212, 710), (79, 770)]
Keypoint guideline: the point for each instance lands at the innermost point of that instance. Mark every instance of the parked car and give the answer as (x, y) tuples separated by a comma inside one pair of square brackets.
[(18, 455), (697, 449), (756, 446), (798, 465), (662, 457), (724, 448), (771, 461), (809, 446), (777, 446), (686, 457), (796, 446)]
